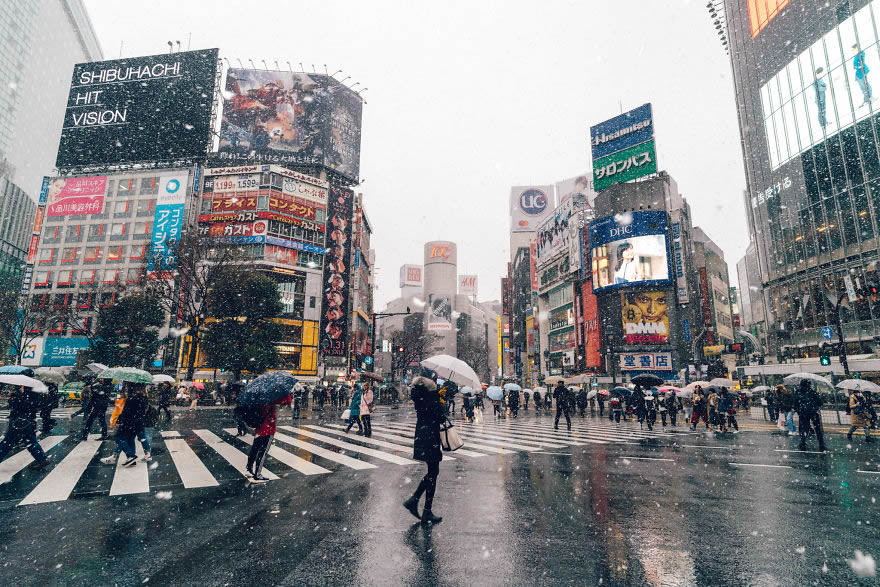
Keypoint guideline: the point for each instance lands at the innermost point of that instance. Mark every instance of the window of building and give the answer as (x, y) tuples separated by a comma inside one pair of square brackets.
[(145, 207), (149, 186), (38, 301), (66, 278), (107, 299), (133, 275), (96, 231), (92, 255), (141, 228), (59, 301), (87, 277), (55, 325), (118, 228), (68, 255), (46, 256), (116, 253), (139, 252), (84, 300), (73, 234), (110, 275), (83, 326), (120, 207), (126, 187), (42, 278)]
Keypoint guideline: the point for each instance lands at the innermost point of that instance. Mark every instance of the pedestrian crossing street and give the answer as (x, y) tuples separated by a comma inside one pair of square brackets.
[(208, 458)]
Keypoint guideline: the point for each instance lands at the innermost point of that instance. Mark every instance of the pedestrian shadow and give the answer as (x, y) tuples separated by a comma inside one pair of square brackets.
[(419, 539)]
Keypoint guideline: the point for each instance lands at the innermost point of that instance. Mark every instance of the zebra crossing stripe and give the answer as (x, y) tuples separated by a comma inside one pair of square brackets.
[(556, 437), (324, 453), (383, 444), (524, 435), (192, 471), (494, 440), (611, 432), (291, 460), (134, 479), (170, 434), (514, 437), (354, 447), (595, 435), (409, 441), (58, 484), (487, 448), (14, 464), (233, 456)]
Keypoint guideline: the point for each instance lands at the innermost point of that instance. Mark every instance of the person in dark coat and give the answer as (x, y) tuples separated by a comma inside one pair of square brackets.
[(426, 442), (526, 396), (600, 399), (513, 402), (770, 397), (50, 402), (538, 400), (808, 403), (560, 394), (23, 406), (638, 401), (98, 408), (165, 393), (131, 423), (582, 402)]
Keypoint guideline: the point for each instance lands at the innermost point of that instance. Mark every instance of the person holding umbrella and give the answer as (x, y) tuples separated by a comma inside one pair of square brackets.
[(366, 408), (600, 399), (354, 410), (23, 406), (560, 394), (807, 402), (538, 400), (700, 413), (858, 415), (98, 403), (263, 395), (426, 443)]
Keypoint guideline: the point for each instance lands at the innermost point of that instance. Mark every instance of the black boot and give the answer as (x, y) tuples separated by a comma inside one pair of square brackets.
[(412, 504), (428, 517)]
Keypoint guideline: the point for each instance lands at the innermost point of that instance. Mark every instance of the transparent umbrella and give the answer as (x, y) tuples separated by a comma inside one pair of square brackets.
[(858, 385), (796, 378)]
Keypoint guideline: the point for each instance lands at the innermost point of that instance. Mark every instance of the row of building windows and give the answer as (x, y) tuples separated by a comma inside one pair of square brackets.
[(69, 278), (77, 233), (51, 256)]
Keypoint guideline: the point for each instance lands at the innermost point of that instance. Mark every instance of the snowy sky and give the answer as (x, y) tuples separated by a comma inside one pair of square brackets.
[(468, 98)]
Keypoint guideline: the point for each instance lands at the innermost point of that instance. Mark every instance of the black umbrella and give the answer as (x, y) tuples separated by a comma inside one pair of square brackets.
[(647, 380), (267, 388), (624, 391)]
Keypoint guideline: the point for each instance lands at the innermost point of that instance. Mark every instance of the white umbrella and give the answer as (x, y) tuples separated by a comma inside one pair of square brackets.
[(691, 386), (858, 384), (684, 392), (50, 375), (512, 387), (553, 379), (453, 369), (761, 388), (24, 380), (592, 393), (162, 378), (97, 367), (723, 382), (796, 378), (466, 389), (527, 390)]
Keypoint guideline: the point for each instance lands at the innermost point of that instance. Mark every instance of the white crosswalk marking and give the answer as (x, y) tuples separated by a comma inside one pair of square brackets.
[(192, 471), (170, 434), (354, 447), (408, 441), (59, 483), (133, 479), (11, 466), (518, 435), (233, 456), (291, 460), (496, 440), (374, 442), (324, 453), (409, 431)]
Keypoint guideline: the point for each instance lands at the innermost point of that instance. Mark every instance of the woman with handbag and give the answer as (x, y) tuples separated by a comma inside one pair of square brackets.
[(366, 409), (426, 442), (858, 415)]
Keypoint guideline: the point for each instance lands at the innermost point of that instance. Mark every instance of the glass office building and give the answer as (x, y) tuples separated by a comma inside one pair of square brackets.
[(809, 114)]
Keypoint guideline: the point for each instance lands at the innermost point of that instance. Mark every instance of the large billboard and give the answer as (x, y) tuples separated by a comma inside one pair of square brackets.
[(529, 206), (554, 234), (645, 317), (76, 195), (167, 222), (631, 163), (761, 12), (411, 275), (578, 188), (621, 132), (439, 313), (155, 108), (335, 302), (592, 335), (467, 285), (286, 117), (629, 249)]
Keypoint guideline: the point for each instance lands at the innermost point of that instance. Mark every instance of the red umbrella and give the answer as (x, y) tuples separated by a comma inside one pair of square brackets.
[(604, 392)]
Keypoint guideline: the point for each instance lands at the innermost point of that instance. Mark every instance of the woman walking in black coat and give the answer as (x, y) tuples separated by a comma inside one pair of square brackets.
[(426, 443)]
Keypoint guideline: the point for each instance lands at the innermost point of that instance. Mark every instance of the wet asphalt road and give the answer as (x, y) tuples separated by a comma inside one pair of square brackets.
[(668, 509)]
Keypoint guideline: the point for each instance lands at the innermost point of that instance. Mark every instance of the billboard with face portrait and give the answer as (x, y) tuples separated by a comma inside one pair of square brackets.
[(629, 249), (286, 117), (335, 288), (645, 317)]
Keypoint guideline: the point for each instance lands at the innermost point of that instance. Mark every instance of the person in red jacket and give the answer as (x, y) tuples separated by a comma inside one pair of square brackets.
[(263, 436)]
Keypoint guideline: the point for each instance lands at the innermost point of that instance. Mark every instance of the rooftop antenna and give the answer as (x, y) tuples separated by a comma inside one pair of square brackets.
[(251, 61), (170, 47), (289, 67), (178, 46), (301, 68), (240, 63)]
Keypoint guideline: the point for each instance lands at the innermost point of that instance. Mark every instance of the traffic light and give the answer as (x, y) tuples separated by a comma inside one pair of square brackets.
[(824, 355)]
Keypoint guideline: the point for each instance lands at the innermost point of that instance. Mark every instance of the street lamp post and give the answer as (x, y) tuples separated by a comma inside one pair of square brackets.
[(381, 315)]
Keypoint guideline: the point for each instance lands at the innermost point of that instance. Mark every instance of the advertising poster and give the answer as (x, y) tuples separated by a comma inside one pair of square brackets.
[(645, 316), (578, 189), (411, 275), (286, 117), (335, 302), (167, 222), (155, 108), (62, 351), (439, 314), (629, 249), (622, 131), (533, 261), (530, 206), (678, 261), (553, 233), (76, 195), (706, 306), (592, 336), (645, 361), (467, 285), (632, 163)]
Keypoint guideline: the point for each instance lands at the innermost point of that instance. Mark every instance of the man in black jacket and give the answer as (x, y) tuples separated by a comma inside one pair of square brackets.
[(560, 394), (23, 406), (98, 408), (808, 403)]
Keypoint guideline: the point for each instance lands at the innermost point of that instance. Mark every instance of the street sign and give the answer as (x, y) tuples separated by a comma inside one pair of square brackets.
[(368, 360), (827, 332)]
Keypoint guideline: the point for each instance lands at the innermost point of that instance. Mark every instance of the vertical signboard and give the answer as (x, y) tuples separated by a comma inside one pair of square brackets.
[(335, 303), (678, 260), (167, 222), (706, 305), (592, 342), (533, 260)]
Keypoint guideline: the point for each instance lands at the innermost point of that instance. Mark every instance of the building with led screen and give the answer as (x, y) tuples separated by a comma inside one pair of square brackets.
[(809, 113)]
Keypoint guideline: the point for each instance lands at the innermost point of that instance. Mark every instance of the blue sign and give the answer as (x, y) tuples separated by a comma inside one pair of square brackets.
[(288, 244), (167, 222), (368, 360), (623, 226), (242, 240), (630, 249), (621, 132), (827, 332), (533, 202), (44, 191), (686, 328), (61, 352)]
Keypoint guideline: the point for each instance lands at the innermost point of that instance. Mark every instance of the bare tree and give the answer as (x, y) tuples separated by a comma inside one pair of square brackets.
[(199, 265)]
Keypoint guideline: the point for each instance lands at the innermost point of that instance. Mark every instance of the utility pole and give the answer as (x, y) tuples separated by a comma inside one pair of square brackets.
[(841, 343)]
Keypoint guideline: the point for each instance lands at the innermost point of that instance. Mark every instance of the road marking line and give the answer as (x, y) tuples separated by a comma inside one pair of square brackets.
[(528, 434), (354, 447), (807, 452), (11, 466), (59, 483), (323, 452), (709, 447), (192, 471), (869, 472), (646, 458), (233, 456), (759, 465), (291, 460), (505, 442), (396, 447), (492, 449), (170, 434), (134, 479)]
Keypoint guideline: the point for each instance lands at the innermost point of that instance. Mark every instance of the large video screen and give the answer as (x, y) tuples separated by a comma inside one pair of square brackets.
[(629, 249), (825, 89), (155, 108), (286, 117)]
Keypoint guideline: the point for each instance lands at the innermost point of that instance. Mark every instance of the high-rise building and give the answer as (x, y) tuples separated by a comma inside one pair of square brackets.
[(805, 76), (16, 223)]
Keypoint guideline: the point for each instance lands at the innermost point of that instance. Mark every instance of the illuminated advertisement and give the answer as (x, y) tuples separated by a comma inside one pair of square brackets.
[(645, 317), (335, 303), (167, 222), (592, 337), (286, 117), (824, 90), (626, 165), (529, 206), (579, 189), (761, 12), (467, 285), (232, 183), (678, 259), (234, 229), (232, 204), (155, 108), (629, 249), (76, 195)]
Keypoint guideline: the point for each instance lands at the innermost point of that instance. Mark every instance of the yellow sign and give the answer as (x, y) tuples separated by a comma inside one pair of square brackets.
[(713, 350), (499, 341)]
